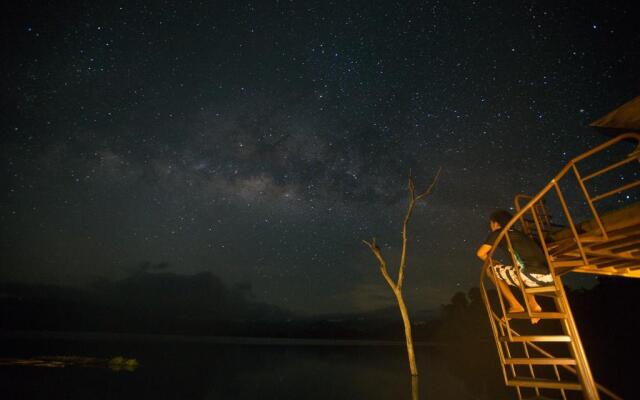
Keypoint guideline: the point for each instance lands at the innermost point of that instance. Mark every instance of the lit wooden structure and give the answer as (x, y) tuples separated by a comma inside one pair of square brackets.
[(548, 358)]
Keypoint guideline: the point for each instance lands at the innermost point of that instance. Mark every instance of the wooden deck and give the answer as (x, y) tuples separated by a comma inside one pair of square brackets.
[(617, 253)]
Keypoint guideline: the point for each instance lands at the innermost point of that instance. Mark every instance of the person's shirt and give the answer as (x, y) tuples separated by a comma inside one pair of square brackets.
[(527, 251)]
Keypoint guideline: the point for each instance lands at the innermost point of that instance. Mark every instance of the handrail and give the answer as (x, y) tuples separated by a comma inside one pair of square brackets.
[(553, 183), (611, 167), (516, 203), (524, 222), (616, 190), (545, 353), (589, 386)]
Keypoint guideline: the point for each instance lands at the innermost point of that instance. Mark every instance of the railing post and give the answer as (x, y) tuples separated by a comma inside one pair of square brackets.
[(543, 242), (494, 329), (570, 221), (499, 325), (591, 206), (583, 370), (545, 214)]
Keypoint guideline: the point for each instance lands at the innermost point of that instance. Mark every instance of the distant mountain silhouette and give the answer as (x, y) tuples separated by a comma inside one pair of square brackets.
[(151, 302)]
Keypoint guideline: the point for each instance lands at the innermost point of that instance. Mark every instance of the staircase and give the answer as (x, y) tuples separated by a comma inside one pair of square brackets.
[(547, 359)]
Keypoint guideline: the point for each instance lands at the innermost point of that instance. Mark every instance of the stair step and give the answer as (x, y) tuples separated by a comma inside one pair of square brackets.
[(539, 398), (567, 263), (620, 263), (543, 383), (627, 248), (541, 315), (537, 338), (541, 290), (613, 243), (540, 361)]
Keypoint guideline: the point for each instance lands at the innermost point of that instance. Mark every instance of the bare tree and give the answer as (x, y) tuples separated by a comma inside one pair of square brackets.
[(396, 286)]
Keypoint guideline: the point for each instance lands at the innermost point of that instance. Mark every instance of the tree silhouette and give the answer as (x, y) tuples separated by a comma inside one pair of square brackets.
[(396, 286)]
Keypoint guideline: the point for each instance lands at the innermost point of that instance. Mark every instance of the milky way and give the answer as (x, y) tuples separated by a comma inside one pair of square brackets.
[(263, 141)]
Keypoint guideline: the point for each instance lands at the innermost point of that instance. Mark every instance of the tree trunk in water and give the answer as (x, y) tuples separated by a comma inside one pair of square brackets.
[(407, 332), (415, 393), (396, 286)]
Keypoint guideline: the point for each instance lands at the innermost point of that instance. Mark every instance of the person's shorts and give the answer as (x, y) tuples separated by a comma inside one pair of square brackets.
[(508, 274)]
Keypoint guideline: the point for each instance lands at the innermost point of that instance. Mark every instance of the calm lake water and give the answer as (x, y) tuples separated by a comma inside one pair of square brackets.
[(213, 368)]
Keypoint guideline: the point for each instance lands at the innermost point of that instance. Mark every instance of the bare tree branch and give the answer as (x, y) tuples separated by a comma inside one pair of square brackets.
[(383, 264), (412, 187), (412, 202), (396, 287), (430, 188)]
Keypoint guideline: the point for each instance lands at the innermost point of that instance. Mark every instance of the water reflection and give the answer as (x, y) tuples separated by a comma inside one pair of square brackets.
[(118, 363), (333, 373), (170, 370)]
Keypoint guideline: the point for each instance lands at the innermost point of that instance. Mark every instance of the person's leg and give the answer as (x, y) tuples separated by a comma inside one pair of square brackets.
[(514, 304), (533, 307), (533, 303), (534, 280)]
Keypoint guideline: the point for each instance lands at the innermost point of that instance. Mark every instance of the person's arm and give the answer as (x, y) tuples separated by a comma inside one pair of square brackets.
[(483, 252)]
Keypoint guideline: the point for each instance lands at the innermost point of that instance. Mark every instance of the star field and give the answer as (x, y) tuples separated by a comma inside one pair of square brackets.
[(262, 141)]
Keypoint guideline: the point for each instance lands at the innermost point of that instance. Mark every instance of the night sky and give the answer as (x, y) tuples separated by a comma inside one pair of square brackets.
[(263, 141)]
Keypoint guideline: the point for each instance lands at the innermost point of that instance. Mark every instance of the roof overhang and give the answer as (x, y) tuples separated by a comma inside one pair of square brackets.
[(625, 118)]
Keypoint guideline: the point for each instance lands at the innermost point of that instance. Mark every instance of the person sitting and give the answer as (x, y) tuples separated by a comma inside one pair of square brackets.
[(534, 271)]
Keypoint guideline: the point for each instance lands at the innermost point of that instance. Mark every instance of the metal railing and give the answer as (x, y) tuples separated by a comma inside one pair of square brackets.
[(550, 356), (540, 225), (541, 210)]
